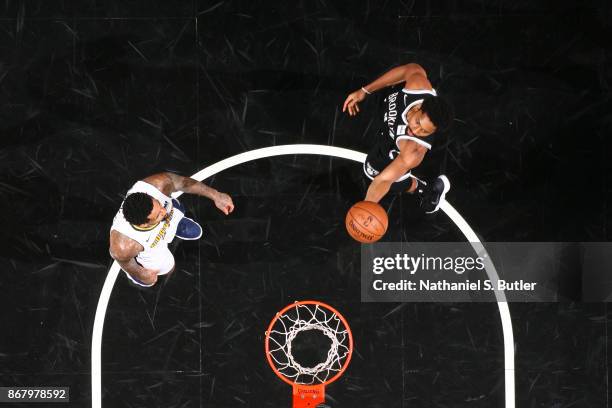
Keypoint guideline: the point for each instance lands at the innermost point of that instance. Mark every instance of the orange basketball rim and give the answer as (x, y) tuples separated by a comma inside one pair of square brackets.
[(308, 383)]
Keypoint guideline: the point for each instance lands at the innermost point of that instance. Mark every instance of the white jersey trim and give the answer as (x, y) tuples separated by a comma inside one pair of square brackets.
[(405, 112), (431, 92), (414, 139)]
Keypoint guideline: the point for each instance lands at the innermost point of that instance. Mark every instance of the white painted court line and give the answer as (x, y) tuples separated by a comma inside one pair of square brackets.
[(111, 277), (502, 304)]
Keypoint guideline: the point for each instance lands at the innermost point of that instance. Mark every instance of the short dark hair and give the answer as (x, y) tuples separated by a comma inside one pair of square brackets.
[(137, 207), (439, 110)]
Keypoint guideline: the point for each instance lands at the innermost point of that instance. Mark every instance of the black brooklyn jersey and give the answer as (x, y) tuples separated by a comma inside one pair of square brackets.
[(393, 129)]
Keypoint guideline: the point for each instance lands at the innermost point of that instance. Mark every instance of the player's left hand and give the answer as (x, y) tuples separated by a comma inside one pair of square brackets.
[(224, 203), (351, 103)]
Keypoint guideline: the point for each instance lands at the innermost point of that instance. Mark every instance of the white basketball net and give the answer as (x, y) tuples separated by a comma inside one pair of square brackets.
[(301, 318)]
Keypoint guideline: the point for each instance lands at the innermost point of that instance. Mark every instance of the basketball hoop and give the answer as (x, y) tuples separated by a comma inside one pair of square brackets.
[(302, 317)]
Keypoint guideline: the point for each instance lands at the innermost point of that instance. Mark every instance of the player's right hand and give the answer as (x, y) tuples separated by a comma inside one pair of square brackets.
[(351, 102), (224, 203)]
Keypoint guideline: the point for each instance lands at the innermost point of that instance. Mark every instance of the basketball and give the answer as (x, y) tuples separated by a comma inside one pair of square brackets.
[(366, 221)]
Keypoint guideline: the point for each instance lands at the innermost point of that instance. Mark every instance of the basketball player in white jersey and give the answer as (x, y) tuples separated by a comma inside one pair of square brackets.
[(406, 130), (148, 221)]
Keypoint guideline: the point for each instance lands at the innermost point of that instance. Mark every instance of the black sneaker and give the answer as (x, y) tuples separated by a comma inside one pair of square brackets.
[(433, 196)]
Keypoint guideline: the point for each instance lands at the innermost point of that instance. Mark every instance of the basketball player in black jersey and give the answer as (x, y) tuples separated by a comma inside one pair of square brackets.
[(411, 116)]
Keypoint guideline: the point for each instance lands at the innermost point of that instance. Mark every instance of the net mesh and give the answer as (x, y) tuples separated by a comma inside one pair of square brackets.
[(301, 318)]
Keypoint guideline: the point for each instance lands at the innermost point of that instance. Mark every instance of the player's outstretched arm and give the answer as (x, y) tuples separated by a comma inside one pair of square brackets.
[(124, 250), (411, 156), (168, 183), (412, 74)]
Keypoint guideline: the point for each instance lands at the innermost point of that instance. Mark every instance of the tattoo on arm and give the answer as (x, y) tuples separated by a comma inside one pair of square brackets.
[(124, 250), (191, 186)]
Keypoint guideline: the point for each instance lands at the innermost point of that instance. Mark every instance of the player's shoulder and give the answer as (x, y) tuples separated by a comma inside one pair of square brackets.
[(123, 247), (161, 181), (411, 146), (417, 80)]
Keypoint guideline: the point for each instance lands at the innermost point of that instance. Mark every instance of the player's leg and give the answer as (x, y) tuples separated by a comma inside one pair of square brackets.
[(160, 259), (402, 186)]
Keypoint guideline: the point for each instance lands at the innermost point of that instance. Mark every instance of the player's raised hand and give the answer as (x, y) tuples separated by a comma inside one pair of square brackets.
[(224, 203), (351, 103)]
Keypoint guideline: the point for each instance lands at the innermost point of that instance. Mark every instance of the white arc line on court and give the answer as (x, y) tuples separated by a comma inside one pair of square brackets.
[(338, 152)]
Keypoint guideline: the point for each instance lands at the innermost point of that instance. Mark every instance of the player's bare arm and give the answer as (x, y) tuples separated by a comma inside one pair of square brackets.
[(168, 183), (411, 155), (413, 75), (124, 250)]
